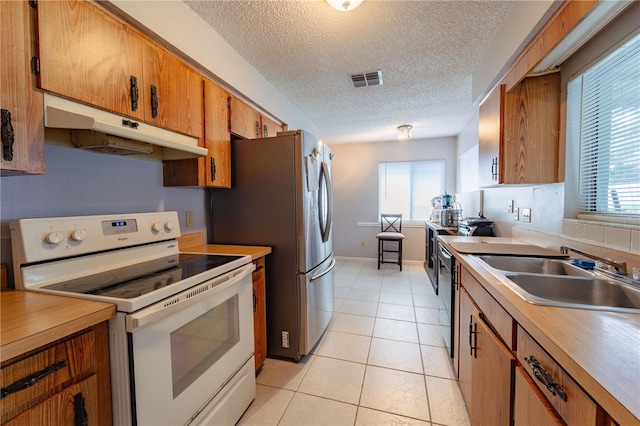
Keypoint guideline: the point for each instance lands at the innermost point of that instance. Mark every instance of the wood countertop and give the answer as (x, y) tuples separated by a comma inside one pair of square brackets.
[(194, 243), (255, 252), (599, 349), (29, 320)]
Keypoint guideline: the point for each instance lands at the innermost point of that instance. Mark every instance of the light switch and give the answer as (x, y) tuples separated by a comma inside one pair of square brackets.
[(526, 215)]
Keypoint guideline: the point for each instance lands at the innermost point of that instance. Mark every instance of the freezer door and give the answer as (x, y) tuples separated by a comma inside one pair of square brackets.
[(316, 304)]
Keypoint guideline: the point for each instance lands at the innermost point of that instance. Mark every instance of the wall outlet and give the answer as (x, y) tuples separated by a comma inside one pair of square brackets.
[(189, 219), (510, 206), (526, 215), (516, 213)]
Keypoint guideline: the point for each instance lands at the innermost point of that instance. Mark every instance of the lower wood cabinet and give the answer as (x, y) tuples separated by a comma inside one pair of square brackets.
[(259, 312), (66, 382), (530, 407), (486, 368), (559, 390), (505, 376)]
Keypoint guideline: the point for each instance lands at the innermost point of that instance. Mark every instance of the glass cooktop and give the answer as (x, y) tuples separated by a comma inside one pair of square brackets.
[(142, 278)]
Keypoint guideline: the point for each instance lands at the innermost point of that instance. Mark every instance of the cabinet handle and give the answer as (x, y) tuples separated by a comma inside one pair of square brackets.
[(213, 169), (80, 417), (8, 135), (545, 378), (259, 268), (31, 379), (154, 101), (255, 301), (133, 92), (473, 338)]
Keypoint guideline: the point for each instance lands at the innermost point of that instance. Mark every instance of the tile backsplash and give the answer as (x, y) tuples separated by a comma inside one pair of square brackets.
[(611, 235)]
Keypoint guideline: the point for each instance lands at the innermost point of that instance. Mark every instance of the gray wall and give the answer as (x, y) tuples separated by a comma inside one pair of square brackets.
[(78, 182), (355, 189)]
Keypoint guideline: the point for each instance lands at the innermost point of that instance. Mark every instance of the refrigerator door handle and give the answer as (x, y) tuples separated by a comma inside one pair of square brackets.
[(325, 272), (325, 223)]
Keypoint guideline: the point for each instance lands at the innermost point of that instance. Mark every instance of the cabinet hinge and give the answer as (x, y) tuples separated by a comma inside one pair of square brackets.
[(33, 3), (35, 65)]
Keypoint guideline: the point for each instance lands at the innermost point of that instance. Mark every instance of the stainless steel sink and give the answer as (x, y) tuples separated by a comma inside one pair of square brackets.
[(534, 265), (576, 292)]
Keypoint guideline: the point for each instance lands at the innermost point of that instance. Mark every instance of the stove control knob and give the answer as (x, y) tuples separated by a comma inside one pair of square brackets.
[(79, 235), (157, 226), (168, 225), (55, 237)]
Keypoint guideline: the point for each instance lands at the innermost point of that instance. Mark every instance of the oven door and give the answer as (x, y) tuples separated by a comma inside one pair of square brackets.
[(445, 296), (186, 348)]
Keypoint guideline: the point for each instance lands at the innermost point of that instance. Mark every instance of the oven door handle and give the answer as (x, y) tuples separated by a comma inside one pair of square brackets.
[(186, 299)]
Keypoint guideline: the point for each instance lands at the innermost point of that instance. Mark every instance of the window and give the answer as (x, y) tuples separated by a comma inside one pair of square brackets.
[(408, 187), (603, 120)]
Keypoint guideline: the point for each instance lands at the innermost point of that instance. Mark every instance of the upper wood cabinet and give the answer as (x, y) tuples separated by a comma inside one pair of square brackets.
[(269, 127), (174, 92), (214, 170), (89, 55), (20, 100), (519, 133), (245, 121), (248, 123)]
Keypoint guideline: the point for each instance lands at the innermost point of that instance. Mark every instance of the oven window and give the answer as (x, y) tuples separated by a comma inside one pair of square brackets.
[(199, 344)]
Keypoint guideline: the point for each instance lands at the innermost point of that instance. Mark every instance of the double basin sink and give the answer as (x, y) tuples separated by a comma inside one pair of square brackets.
[(556, 282)]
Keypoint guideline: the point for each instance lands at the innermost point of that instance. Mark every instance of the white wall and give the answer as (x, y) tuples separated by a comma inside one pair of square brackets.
[(355, 190)]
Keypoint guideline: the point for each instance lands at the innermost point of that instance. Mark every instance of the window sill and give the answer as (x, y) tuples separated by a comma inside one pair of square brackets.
[(405, 224), (608, 220)]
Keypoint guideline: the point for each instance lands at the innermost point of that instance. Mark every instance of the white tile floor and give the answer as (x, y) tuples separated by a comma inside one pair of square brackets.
[(381, 362)]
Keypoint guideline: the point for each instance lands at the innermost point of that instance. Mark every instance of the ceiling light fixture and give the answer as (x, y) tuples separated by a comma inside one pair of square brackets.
[(405, 131), (344, 5)]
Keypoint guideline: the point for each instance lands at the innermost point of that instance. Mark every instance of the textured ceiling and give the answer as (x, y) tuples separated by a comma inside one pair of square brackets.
[(427, 51)]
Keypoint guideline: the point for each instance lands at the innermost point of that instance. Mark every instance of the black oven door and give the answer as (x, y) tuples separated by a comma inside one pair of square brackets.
[(445, 268)]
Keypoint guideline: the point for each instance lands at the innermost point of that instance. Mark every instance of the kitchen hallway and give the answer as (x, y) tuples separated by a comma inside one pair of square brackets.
[(381, 362)]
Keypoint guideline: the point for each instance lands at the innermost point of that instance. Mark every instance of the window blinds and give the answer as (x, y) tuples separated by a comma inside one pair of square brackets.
[(603, 107)]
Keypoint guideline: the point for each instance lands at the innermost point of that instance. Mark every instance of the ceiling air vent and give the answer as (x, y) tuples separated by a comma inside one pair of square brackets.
[(372, 78)]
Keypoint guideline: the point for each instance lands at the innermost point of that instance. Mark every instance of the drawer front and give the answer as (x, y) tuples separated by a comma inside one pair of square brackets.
[(495, 314), (578, 408), (75, 405), (57, 366)]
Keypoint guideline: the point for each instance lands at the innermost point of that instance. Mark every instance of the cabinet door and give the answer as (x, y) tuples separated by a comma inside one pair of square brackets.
[(530, 407), (75, 405), (259, 313), (531, 131), (21, 102), (173, 92), (465, 348), (269, 127), (217, 136), (490, 137), (491, 373), (88, 55), (245, 121)]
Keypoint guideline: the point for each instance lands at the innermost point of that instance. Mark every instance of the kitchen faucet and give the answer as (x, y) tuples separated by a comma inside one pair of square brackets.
[(619, 266)]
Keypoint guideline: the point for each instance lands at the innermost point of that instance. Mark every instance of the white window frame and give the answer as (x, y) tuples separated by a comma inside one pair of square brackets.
[(574, 134)]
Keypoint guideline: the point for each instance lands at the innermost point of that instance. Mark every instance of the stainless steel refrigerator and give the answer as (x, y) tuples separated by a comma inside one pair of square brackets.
[(281, 196)]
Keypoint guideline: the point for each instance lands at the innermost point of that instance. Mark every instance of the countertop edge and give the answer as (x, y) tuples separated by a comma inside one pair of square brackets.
[(255, 252), (94, 313), (603, 396)]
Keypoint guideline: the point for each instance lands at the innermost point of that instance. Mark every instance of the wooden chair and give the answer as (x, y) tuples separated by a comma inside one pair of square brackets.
[(391, 233)]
